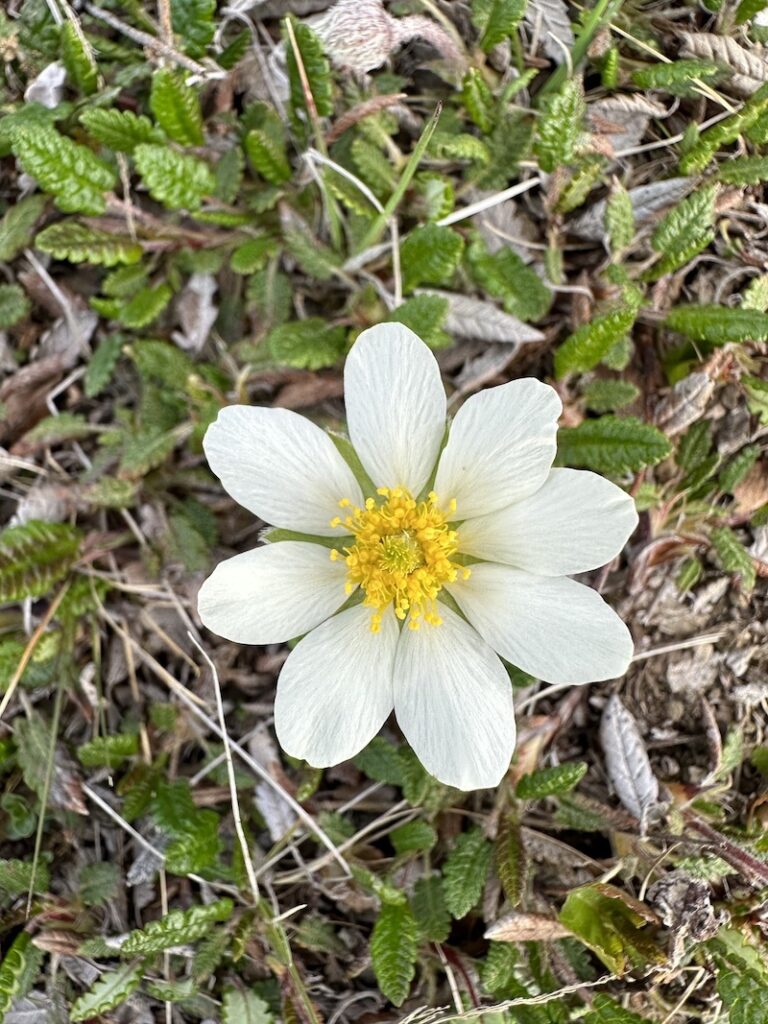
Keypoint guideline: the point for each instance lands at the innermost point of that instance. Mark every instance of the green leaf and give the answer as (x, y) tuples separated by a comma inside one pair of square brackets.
[(77, 243), (253, 254), (429, 909), (733, 556), (120, 130), (14, 305), (380, 762), (478, 100), (17, 226), (465, 871), (562, 778), (620, 219), (607, 1011), (686, 230), (176, 180), (145, 306), (414, 835), (718, 325), (195, 844), (694, 446), (17, 876), (738, 467), (511, 859), (314, 258), (584, 349), (71, 173), (108, 751), (757, 397), (375, 169), (611, 445), (307, 344), (176, 928), (78, 59), (677, 77), (99, 883), (504, 276), (240, 1006), (65, 426), (394, 950), (689, 575), (101, 365), (34, 557), (176, 108), (267, 154), (725, 132), (33, 742), (744, 170), (112, 989), (192, 20), (560, 126), (13, 971), (425, 315), (430, 255), (613, 925), (504, 17), (607, 395), (316, 67)]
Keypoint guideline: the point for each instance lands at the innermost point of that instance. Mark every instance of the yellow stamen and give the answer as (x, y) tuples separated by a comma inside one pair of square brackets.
[(401, 555)]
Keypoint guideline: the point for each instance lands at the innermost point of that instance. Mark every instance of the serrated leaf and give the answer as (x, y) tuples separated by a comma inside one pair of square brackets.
[(478, 100), (108, 751), (176, 108), (394, 950), (425, 315), (465, 871), (757, 396), (176, 180), (13, 971), (685, 231), (70, 172), (16, 876), (120, 130), (307, 344), (607, 395), (102, 365), (738, 467), (626, 760), (192, 20), (14, 305), (718, 325), (380, 762), (99, 883), (430, 255), (144, 451), (429, 909), (560, 126), (725, 132), (112, 989), (316, 68), (241, 1006), (78, 58), (677, 77), (17, 226), (607, 1011), (503, 19), (314, 258), (267, 156), (34, 557), (511, 859), (733, 556), (145, 306), (744, 170), (584, 349), (611, 445), (77, 243), (504, 275), (414, 835), (176, 928), (619, 219), (555, 781)]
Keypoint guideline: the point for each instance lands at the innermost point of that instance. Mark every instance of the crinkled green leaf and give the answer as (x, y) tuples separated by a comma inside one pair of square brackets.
[(612, 445), (14, 305), (112, 989), (584, 349), (176, 108), (17, 226), (71, 173), (394, 948), (78, 243), (718, 325), (465, 871), (120, 130), (176, 928), (34, 557), (176, 180)]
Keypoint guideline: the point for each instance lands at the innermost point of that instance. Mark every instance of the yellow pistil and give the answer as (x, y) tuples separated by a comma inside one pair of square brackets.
[(401, 555)]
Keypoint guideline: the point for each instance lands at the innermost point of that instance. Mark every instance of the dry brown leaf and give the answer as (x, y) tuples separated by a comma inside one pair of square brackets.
[(517, 927), (685, 404)]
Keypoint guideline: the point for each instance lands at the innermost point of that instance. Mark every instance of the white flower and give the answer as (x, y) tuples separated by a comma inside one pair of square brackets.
[(459, 553)]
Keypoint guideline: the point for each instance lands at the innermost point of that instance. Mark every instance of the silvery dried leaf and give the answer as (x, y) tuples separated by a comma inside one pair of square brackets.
[(626, 760), (480, 320), (277, 814), (506, 226), (623, 119), (647, 201), (482, 368), (685, 404), (750, 67), (517, 927), (37, 1008), (47, 88), (549, 18), (70, 336), (196, 312)]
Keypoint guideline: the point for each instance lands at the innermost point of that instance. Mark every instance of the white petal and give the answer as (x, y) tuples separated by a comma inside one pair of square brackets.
[(335, 690), (576, 521), (453, 700), (500, 447), (272, 594), (395, 406), (280, 466), (556, 629)]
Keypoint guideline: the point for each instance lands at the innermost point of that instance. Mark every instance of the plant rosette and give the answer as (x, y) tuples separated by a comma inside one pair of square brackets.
[(417, 562)]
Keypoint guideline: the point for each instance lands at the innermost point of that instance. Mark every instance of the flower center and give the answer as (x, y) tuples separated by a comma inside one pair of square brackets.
[(401, 555)]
